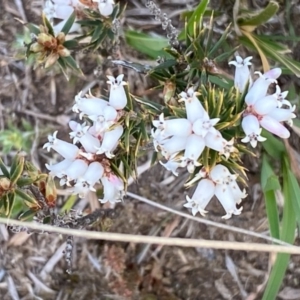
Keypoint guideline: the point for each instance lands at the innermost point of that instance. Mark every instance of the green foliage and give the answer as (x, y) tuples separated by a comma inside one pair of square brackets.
[(99, 31), (287, 234), (17, 137), (17, 184), (152, 46)]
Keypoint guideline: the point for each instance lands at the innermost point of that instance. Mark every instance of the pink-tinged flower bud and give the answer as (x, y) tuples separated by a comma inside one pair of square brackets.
[(67, 150), (201, 197), (252, 130), (193, 106), (113, 189), (204, 125), (260, 86), (106, 7), (242, 73), (179, 127), (59, 167), (225, 196), (81, 134), (117, 95), (89, 106), (282, 115), (194, 147), (110, 141), (266, 104), (173, 145), (274, 126)]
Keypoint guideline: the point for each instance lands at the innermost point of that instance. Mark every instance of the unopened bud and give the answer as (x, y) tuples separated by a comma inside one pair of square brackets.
[(51, 59), (61, 37), (62, 51)]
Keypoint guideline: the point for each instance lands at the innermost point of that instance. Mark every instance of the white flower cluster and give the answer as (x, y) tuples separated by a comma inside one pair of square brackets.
[(182, 140), (88, 164), (263, 110), (62, 9), (221, 183)]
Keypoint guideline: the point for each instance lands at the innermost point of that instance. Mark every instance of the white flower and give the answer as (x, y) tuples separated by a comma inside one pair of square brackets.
[(104, 120), (252, 130), (81, 134), (260, 87), (172, 165), (110, 141), (180, 127), (88, 106), (106, 7), (58, 168), (228, 148), (113, 189), (201, 197), (223, 185), (265, 105), (204, 125), (76, 169), (281, 115), (86, 183), (242, 73), (194, 147), (224, 194), (274, 127), (281, 97), (193, 106), (173, 145), (67, 150), (117, 95)]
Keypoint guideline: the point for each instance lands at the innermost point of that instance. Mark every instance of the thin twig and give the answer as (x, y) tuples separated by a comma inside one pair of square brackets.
[(130, 238), (207, 222)]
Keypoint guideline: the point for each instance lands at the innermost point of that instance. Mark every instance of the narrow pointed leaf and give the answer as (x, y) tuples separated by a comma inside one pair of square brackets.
[(66, 28), (287, 235), (48, 24), (17, 168), (261, 17), (195, 18), (270, 183), (3, 168)]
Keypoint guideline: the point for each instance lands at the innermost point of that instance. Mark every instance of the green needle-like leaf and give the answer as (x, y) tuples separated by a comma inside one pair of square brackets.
[(295, 193), (194, 19), (287, 235), (3, 168), (270, 183), (16, 168), (68, 25)]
